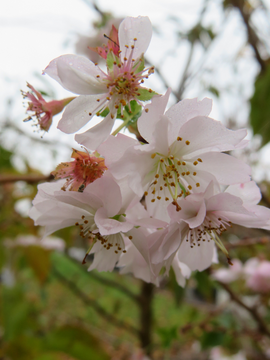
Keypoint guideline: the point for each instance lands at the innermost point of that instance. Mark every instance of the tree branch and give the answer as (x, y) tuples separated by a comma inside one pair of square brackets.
[(29, 178), (252, 310), (248, 242)]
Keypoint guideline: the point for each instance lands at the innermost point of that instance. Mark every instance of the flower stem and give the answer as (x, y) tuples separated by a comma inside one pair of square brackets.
[(124, 123)]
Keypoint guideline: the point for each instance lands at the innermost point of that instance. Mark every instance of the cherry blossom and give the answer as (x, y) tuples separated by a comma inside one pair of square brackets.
[(198, 220), (43, 111), (102, 213), (115, 89), (183, 154)]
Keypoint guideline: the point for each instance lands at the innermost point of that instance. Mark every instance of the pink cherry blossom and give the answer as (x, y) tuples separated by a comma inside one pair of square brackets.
[(115, 89), (183, 154), (257, 274), (103, 214), (43, 111), (198, 220)]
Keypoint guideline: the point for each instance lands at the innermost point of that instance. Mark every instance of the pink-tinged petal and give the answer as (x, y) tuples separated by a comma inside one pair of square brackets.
[(181, 271), (185, 110), (108, 191), (95, 136), (77, 113), (109, 226), (230, 274), (192, 212), (139, 28), (114, 147), (249, 192), (205, 134), (225, 168), (258, 217), (160, 136), (167, 243), (77, 74), (226, 202), (104, 259), (196, 258), (87, 201), (149, 118)]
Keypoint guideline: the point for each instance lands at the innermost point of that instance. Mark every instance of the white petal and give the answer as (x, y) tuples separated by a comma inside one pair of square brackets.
[(95, 136), (206, 135), (131, 28), (77, 74), (76, 113), (185, 110), (198, 257), (148, 120), (109, 226), (249, 192), (226, 168), (114, 147)]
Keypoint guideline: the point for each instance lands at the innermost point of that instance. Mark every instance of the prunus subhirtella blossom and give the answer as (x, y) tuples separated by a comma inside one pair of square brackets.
[(159, 201)]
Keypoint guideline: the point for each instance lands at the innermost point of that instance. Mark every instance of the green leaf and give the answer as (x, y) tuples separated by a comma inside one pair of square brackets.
[(260, 107), (167, 335), (212, 338), (146, 94), (77, 342)]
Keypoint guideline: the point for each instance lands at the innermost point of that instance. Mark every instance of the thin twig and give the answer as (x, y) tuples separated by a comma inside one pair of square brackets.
[(92, 302), (248, 242), (29, 178), (252, 36), (252, 310)]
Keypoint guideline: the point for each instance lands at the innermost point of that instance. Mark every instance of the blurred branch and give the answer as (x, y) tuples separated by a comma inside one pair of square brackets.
[(30, 179), (252, 310), (252, 36), (248, 242), (185, 75), (91, 302)]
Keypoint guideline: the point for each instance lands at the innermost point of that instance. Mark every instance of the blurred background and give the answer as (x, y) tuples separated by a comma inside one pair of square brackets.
[(51, 307)]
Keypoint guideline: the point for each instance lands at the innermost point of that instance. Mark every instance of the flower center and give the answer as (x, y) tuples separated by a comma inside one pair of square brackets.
[(174, 177), (82, 171), (209, 230)]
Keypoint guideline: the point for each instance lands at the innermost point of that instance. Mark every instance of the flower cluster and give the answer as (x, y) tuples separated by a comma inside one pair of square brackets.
[(150, 204)]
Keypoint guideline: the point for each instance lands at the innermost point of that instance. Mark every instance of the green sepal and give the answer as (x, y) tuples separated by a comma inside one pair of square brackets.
[(145, 94), (110, 60), (105, 112), (141, 65)]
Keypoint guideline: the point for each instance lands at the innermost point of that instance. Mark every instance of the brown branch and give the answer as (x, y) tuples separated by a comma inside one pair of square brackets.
[(92, 302), (252, 36), (248, 242), (29, 178), (146, 316), (252, 310)]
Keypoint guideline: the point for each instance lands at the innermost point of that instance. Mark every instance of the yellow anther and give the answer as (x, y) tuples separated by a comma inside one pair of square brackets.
[(157, 176), (187, 173), (153, 200), (195, 163), (187, 142), (194, 174), (199, 159), (179, 138), (197, 184), (153, 155), (145, 193), (166, 199), (190, 187), (130, 237)]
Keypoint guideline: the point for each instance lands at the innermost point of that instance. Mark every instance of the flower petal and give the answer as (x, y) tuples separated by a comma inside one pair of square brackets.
[(77, 74), (205, 134), (151, 115), (226, 168), (95, 136), (77, 113), (249, 192), (185, 110), (139, 28)]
